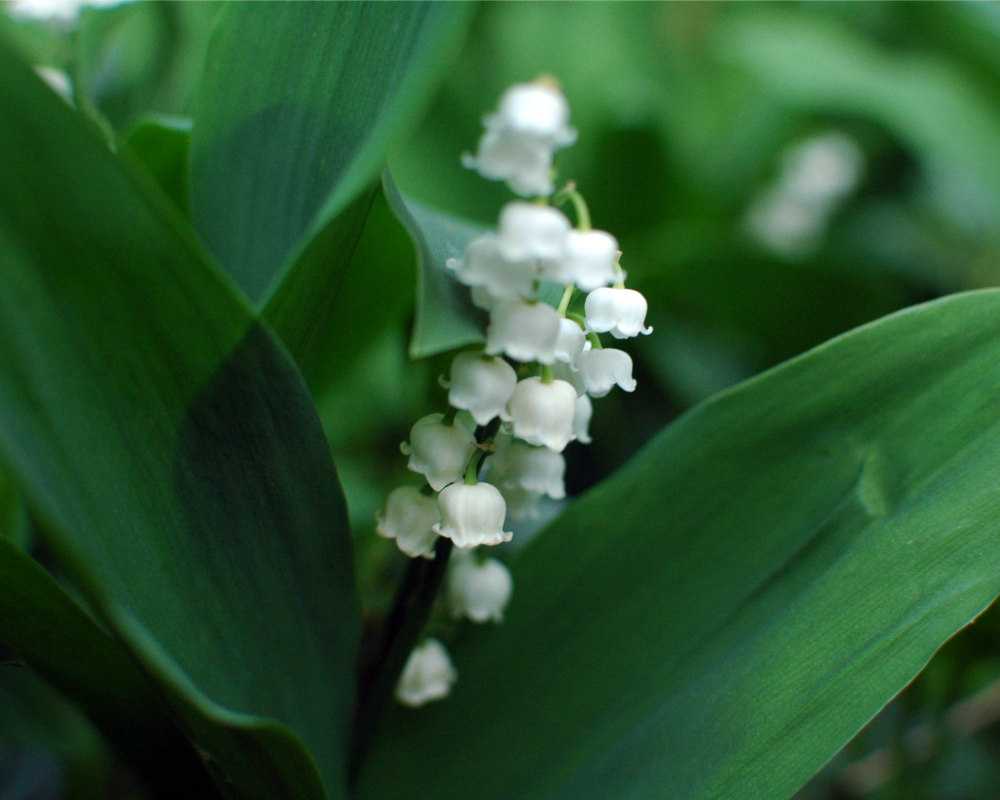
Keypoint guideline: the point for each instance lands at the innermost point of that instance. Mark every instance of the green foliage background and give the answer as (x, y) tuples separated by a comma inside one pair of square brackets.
[(684, 112)]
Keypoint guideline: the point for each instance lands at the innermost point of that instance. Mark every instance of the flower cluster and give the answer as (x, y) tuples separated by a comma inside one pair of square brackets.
[(516, 403)]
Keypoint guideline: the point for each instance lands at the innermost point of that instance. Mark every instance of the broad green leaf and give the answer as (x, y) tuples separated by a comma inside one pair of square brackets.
[(47, 630), (47, 748), (926, 101), (446, 317), (724, 613), (291, 130), (137, 58), (173, 455), (160, 143)]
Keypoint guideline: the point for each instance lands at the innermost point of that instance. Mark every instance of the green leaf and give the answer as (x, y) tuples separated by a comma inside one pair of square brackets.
[(137, 58), (289, 132), (446, 318), (724, 613), (173, 455), (47, 748), (160, 143), (926, 101)]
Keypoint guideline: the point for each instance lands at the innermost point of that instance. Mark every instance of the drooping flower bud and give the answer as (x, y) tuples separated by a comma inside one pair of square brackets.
[(472, 515), (542, 413), (409, 518), (438, 451), (603, 368), (484, 266), (589, 260), (620, 312), (524, 331), (520, 465), (530, 231), (570, 342), (428, 675), (581, 419), (478, 590), (521, 138), (482, 385)]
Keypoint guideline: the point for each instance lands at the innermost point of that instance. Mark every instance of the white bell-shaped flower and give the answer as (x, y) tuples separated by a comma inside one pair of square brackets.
[(472, 515), (483, 298), (524, 331), (409, 518), (604, 367), (538, 469), (522, 136), (522, 504), (581, 419), (479, 590), (620, 312), (570, 342), (481, 385), (542, 412), (589, 261), (428, 675), (439, 451), (485, 266), (569, 373), (531, 231), (537, 110)]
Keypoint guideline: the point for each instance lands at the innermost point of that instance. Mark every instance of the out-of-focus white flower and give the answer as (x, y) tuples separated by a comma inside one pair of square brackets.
[(522, 504), (58, 81), (485, 266), (522, 136), (569, 373), (542, 413), (581, 419), (524, 331), (438, 451), (409, 518), (472, 515), (822, 168), (603, 367), (530, 231), (620, 312), (57, 10), (482, 385), (590, 260), (520, 465), (570, 342), (428, 675), (478, 590)]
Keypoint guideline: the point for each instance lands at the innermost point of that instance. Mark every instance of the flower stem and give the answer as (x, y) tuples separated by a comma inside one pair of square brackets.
[(567, 295), (472, 470), (382, 663), (547, 373), (595, 341), (570, 192)]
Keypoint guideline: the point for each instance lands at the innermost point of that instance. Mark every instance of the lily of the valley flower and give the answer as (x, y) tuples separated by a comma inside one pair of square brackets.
[(538, 469), (479, 590), (482, 385), (542, 412), (524, 331), (602, 368), (581, 419), (529, 231), (570, 342), (428, 675), (521, 138), (472, 515), (620, 312), (589, 260), (485, 266), (439, 450), (409, 518)]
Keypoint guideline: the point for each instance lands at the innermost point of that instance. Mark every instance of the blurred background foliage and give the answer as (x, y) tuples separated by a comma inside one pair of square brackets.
[(776, 174)]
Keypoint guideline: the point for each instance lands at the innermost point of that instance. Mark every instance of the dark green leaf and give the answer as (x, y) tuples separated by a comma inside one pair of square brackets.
[(446, 317), (47, 749), (173, 454), (160, 143), (290, 131), (723, 614)]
